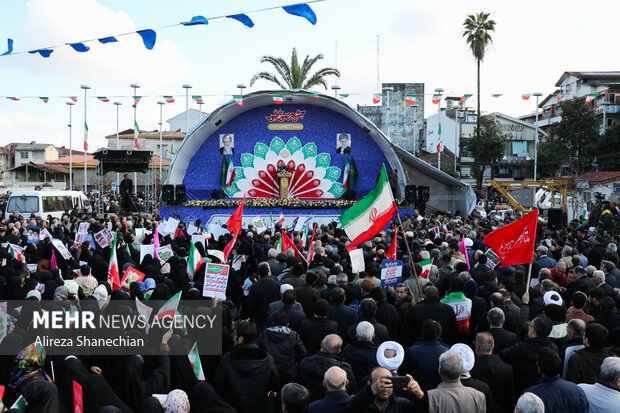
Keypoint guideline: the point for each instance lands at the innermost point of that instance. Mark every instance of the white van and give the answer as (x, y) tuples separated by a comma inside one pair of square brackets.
[(44, 203)]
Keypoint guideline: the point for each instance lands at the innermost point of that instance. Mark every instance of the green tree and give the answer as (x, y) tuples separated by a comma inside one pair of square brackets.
[(490, 145), (606, 149), (295, 76), (477, 30), (578, 132), (551, 155)]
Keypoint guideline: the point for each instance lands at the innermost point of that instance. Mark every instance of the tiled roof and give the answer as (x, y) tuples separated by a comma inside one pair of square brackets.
[(127, 134), (92, 162)]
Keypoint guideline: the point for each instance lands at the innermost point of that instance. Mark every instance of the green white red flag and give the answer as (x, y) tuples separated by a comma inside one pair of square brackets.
[(343, 95), (85, 137), (377, 98), (350, 173), (230, 172), (194, 361), (278, 99), (113, 272), (436, 99), (410, 99), (169, 99), (197, 98), (136, 100), (136, 132), (13, 98), (591, 97), (16, 251), (426, 265), (560, 97), (169, 309), (496, 95), (73, 98), (44, 99), (281, 219), (103, 98), (368, 216), (238, 99), (525, 97), (194, 261), (313, 95), (465, 97)]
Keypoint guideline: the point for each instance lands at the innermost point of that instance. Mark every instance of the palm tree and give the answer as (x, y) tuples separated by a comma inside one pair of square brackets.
[(295, 76), (477, 29)]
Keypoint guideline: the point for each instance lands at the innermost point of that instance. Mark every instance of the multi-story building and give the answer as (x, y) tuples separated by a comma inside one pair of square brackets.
[(401, 122), (191, 118), (148, 141), (23, 153)]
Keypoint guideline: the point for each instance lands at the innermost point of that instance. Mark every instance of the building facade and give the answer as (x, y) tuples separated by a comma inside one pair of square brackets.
[(23, 153), (148, 141), (193, 118), (401, 122)]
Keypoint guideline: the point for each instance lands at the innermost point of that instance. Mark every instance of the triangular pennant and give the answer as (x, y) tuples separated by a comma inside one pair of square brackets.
[(242, 18)]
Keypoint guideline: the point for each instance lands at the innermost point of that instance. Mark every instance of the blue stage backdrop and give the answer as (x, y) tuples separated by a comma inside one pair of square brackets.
[(313, 142)]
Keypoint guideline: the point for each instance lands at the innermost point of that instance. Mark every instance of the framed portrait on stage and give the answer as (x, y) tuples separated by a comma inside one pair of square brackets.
[(227, 144), (343, 143)]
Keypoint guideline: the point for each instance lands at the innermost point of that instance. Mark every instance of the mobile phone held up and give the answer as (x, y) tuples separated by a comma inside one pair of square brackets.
[(399, 382)]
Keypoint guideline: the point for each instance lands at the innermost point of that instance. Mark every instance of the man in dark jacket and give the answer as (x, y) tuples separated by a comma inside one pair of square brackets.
[(608, 316), (523, 356), (493, 371), (368, 308), (429, 308), (264, 292), (247, 373), (387, 314), (584, 365), (307, 295), (336, 398), (313, 331), (557, 394), (313, 368), (362, 354), (339, 312), (295, 317), (284, 345), (501, 338)]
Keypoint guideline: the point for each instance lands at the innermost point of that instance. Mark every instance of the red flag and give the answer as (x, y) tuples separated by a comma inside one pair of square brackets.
[(78, 404), (463, 250), (514, 243), (54, 263), (287, 243), (310, 251), (391, 254), (234, 222), (230, 246)]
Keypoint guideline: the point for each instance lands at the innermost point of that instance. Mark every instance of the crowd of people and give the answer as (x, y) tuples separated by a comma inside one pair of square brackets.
[(463, 335)]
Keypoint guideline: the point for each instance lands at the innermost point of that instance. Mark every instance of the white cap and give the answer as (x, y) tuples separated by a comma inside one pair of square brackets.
[(551, 297), (285, 287), (469, 242), (467, 354)]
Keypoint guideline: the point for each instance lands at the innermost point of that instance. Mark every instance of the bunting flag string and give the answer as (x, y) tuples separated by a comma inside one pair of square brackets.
[(149, 36)]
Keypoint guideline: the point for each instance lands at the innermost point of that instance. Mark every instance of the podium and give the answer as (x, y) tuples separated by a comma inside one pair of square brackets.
[(285, 178)]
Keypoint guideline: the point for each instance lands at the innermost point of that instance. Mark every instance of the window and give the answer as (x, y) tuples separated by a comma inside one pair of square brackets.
[(38, 156), (23, 204), (519, 148), (23, 155)]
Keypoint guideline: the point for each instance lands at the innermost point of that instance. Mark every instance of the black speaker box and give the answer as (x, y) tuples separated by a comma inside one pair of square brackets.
[(410, 193), (555, 218), (167, 193), (181, 197)]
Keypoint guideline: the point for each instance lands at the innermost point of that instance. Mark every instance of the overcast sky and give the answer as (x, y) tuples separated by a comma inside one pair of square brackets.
[(420, 41)]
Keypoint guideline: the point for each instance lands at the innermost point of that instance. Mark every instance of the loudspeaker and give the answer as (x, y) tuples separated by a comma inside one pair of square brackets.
[(555, 218), (167, 193), (410, 193), (424, 193), (180, 194)]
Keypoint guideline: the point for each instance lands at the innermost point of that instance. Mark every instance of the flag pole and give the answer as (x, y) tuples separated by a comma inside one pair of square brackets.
[(415, 273), (529, 276)]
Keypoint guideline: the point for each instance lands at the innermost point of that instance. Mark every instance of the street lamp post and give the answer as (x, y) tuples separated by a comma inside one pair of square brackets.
[(336, 88), (70, 104), (241, 86), (456, 134), (161, 132), (538, 95), (415, 121), (85, 88), (388, 89), (118, 176), (200, 110), (136, 133), (439, 91), (187, 88)]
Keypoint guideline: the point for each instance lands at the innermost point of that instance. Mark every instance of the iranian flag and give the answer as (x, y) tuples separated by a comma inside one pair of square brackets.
[(560, 97), (113, 274), (103, 98), (44, 99), (525, 97), (465, 97), (197, 98), (169, 99), (278, 99), (350, 173), (194, 261), (136, 100), (426, 267), (16, 251), (368, 216), (13, 98), (230, 171), (586, 214), (136, 131), (313, 95), (310, 250), (238, 99), (436, 99), (73, 98), (410, 99), (194, 360), (304, 236), (281, 219), (169, 309), (343, 95), (377, 98), (85, 137), (496, 95), (223, 172), (591, 97), (439, 139)]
